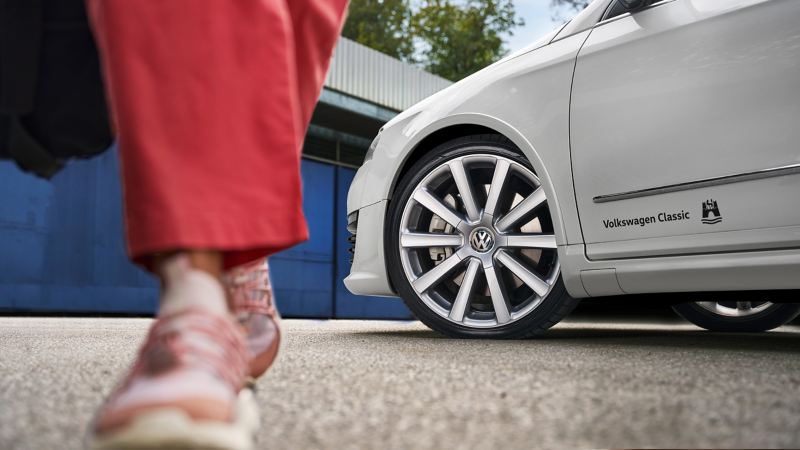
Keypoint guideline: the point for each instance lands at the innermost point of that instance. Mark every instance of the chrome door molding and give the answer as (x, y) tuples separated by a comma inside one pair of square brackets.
[(790, 169)]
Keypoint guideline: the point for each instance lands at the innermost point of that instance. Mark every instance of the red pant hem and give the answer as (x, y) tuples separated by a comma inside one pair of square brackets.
[(240, 241)]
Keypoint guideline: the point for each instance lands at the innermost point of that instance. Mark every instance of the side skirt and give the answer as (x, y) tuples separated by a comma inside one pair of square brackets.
[(735, 271)]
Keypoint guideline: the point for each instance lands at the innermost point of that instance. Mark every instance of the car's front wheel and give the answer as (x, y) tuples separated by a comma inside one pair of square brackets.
[(757, 315), (471, 242)]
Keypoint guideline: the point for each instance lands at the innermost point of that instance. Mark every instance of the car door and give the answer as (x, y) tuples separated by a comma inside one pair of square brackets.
[(685, 129)]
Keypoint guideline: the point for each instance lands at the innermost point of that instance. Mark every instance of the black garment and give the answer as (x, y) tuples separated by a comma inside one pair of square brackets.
[(52, 104)]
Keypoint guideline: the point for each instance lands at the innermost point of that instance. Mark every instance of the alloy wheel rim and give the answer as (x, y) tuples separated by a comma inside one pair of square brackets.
[(477, 243), (735, 309)]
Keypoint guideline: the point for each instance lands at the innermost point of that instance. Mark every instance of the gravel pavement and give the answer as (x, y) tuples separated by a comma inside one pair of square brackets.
[(387, 385)]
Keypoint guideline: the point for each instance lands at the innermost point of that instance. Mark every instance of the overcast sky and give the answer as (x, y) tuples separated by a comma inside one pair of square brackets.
[(537, 22)]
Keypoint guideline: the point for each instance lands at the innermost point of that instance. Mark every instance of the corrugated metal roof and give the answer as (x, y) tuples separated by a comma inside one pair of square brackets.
[(362, 72)]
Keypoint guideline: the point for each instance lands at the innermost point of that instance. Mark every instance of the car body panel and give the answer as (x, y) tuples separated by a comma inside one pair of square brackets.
[(584, 20), (526, 98), (368, 273), (730, 271), (489, 98), (686, 91)]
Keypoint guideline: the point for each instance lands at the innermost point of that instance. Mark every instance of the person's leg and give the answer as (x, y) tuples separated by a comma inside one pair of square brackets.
[(208, 261), (185, 384), (316, 26), (203, 93), (204, 97), (251, 297)]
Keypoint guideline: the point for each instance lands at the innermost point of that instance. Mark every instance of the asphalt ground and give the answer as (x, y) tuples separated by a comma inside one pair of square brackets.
[(370, 384)]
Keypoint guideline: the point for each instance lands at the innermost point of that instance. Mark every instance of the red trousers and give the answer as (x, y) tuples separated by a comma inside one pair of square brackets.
[(211, 100)]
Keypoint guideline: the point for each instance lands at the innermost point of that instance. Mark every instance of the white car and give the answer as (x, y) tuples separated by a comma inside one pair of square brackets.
[(644, 147)]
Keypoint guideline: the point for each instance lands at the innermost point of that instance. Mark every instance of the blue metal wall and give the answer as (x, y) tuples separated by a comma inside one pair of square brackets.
[(61, 247)]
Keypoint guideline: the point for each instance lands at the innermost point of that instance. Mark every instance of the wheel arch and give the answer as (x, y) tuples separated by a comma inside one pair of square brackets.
[(466, 124), (434, 139)]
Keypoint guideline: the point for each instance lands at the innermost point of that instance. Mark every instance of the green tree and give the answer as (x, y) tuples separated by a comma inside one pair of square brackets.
[(451, 38), (382, 25), (454, 40)]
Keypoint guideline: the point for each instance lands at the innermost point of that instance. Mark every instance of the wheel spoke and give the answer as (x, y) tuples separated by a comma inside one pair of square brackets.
[(435, 275), (531, 240), (465, 189), (437, 207), (524, 207), (710, 306), (498, 179), (529, 278), (462, 299), (744, 306), (408, 239), (498, 295)]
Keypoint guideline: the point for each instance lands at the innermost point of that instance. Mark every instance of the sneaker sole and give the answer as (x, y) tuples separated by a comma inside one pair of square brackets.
[(173, 429)]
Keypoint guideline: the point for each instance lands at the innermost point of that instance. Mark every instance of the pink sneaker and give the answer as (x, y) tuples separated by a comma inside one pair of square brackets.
[(250, 291), (184, 390)]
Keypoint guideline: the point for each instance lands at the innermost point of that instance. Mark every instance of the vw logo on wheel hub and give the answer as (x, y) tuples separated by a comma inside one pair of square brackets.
[(481, 240)]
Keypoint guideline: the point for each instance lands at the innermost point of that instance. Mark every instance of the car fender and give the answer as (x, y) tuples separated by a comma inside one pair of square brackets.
[(508, 131)]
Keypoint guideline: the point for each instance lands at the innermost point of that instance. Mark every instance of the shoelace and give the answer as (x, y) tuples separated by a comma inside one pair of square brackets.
[(223, 350), (250, 288)]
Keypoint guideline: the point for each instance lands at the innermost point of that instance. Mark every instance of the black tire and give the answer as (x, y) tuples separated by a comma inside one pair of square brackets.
[(775, 315), (552, 309)]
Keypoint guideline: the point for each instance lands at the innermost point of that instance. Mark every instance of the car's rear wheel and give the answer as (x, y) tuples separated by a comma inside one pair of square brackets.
[(758, 315), (471, 242)]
